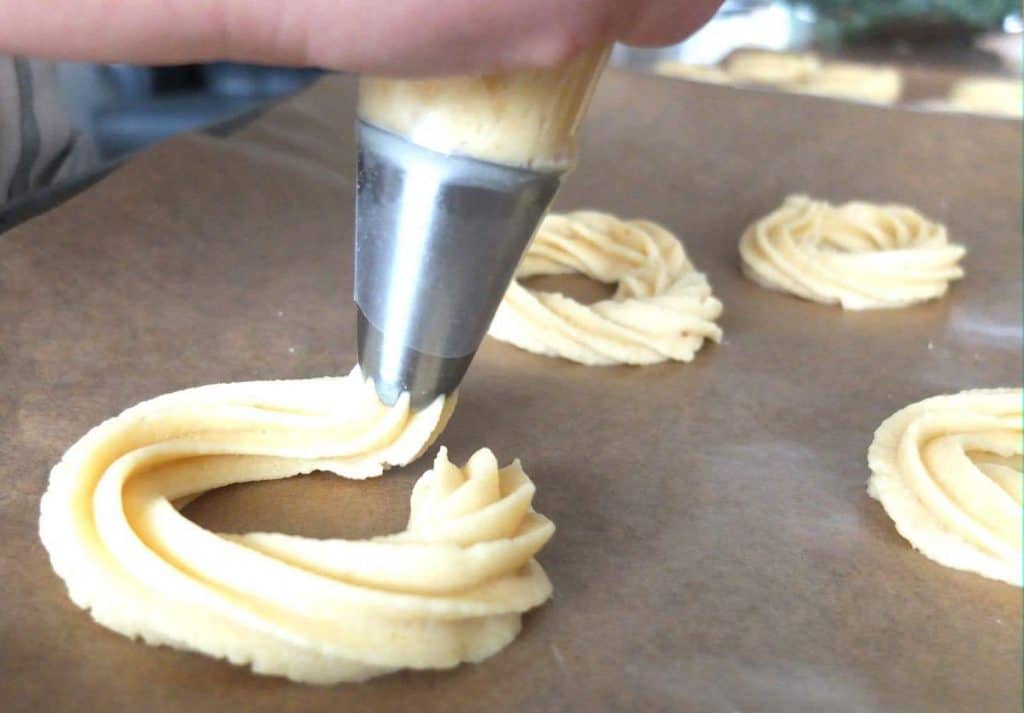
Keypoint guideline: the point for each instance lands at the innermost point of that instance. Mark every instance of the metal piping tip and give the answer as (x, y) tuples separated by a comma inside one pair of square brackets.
[(396, 369), (438, 238)]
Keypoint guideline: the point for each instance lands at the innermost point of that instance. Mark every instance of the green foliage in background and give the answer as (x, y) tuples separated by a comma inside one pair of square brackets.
[(853, 20)]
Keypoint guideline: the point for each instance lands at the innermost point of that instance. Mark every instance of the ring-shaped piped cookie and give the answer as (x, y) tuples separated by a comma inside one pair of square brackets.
[(449, 588), (987, 95), (859, 255), (852, 80), (947, 470), (768, 67), (662, 309)]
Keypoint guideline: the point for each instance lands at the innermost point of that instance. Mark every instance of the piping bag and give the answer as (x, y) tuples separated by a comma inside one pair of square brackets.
[(454, 176)]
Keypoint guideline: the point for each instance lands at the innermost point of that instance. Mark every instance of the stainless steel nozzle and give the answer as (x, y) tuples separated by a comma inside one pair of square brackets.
[(438, 238)]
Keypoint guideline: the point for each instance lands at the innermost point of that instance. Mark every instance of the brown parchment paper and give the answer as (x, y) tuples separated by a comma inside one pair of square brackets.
[(716, 550)]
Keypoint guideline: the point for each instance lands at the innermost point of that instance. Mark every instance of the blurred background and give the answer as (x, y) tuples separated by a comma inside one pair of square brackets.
[(124, 108), (970, 34)]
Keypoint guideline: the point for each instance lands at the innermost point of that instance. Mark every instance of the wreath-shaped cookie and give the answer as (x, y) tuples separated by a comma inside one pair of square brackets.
[(859, 255), (948, 472), (662, 309)]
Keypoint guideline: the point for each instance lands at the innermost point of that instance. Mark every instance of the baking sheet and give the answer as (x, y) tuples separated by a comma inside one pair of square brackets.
[(715, 548)]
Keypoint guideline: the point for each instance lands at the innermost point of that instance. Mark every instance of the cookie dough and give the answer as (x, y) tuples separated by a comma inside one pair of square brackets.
[(663, 308), (988, 95), (524, 118), (800, 73), (806, 73), (450, 588), (852, 80), (947, 470), (697, 72), (766, 67), (859, 255)]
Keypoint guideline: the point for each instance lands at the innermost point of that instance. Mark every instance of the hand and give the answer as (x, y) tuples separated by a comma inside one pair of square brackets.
[(397, 37)]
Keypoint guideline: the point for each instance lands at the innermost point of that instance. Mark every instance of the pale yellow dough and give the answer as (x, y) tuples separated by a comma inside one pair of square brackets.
[(522, 118), (696, 72), (947, 470), (806, 73), (767, 67), (988, 95), (663, 308), (859, 255), (450, 588), (851, 80)]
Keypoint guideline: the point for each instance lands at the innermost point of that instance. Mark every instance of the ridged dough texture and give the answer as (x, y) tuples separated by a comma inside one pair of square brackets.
[(662, 309), (947, 470), (450, 588), (858, 255)]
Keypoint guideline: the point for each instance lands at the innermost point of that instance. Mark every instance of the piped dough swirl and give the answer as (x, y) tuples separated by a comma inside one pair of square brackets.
[(800, 73), (988, 95), (450, 588), (766, 67), (808, 74), (947, 470), (852, 80), (859, 255), (662, 309)]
